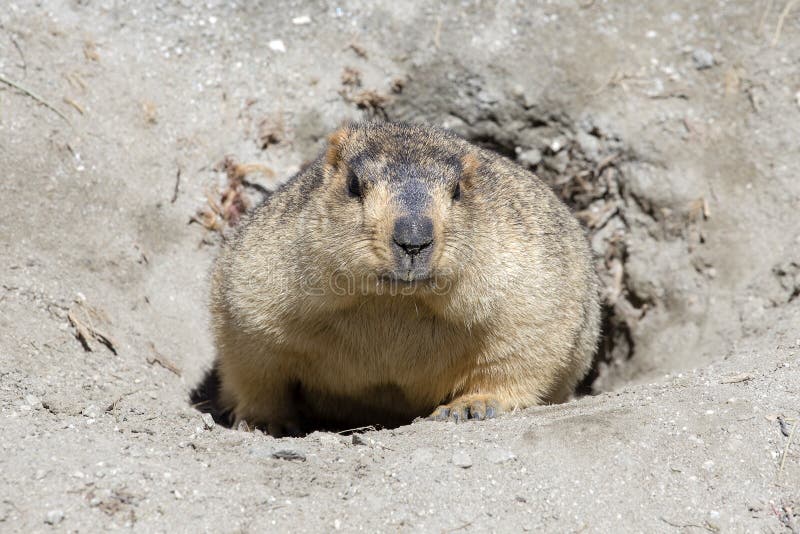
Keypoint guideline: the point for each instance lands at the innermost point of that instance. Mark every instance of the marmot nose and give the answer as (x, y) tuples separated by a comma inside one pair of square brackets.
[(413, 233)]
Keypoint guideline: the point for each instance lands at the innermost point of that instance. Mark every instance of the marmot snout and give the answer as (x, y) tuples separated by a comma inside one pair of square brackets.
[(405, 273), (412, 238)]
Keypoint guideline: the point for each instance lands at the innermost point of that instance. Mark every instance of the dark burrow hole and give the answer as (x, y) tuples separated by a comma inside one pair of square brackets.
[(205, 397)]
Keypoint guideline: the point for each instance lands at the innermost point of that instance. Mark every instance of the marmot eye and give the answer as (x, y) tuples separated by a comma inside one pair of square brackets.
[(457, 191), (353, 185)]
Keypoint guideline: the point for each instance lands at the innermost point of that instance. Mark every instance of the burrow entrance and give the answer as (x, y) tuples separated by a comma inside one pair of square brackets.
[(584, 163), (582, 159)]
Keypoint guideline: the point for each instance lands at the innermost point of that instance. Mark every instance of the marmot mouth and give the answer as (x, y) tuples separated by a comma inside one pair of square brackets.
[(406, 278), (428, 282)]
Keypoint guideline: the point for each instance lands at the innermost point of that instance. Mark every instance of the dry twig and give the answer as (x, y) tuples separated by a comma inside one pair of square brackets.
[(162, 360), (686, 525), (786, 449), (232, 202), (75, 105), (176, 190), (437, 34), (34, 96), (90, 51), (21, 54), (357, 48), (351, 77), (790, 4), (113, 406), (271, 131), (735, 379), (86, 330)]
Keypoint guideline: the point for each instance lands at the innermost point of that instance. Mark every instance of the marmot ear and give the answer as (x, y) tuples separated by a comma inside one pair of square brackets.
[(469, 168), (336, 142)]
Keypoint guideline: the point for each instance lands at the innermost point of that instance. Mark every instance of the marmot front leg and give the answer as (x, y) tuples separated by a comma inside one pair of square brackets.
[(264, 402), (478, 406), (493, 392)]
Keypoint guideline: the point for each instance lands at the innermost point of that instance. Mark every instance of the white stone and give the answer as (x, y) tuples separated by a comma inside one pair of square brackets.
[(462, 459), (277, 45), (208, 421)]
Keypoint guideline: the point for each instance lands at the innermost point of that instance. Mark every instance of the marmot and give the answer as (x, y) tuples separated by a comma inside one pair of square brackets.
[(404, 273)]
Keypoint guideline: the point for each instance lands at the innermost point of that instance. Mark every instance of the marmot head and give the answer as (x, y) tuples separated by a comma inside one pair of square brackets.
[(398, 199)]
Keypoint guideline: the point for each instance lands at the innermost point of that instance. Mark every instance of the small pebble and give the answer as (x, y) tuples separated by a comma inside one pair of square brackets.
[(33, 401), (785, 429), (277, 45), (286, 454), (462, 459), (557, 144), (558, 163), (702, 59), (589, 144), (487, 97), (54, 517), (714, 521), (208, 421), (330, 440), (91, 412), (358, 439), (530, 158), (500, 456)]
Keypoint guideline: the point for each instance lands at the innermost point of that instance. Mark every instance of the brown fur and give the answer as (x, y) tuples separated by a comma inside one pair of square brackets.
[(308, 329)]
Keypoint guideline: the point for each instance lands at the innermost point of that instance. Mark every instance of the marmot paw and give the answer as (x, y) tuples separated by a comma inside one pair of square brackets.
[(274, 429), (478, 407), (284, 428)]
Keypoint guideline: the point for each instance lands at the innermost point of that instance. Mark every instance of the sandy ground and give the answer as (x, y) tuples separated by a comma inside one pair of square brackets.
[(674, 126)]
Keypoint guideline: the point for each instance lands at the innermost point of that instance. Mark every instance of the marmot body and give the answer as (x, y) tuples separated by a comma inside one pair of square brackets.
[(404, 273)]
